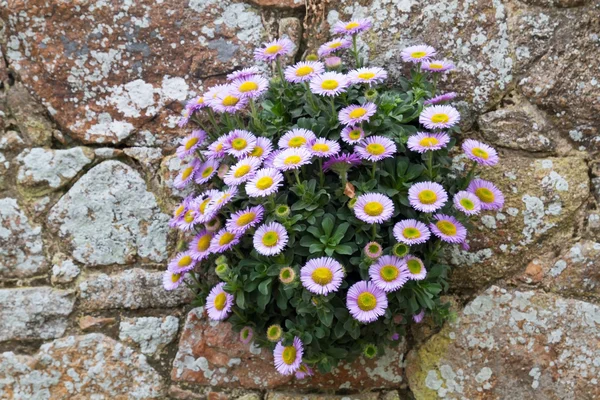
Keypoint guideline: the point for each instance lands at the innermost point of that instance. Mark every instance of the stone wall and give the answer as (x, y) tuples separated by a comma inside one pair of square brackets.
[(90, 95)]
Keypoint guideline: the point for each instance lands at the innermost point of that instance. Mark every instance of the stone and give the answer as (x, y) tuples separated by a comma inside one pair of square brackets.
[(210, 353), (297, 396), (34, 313), (87, 322), (511, 344), (11, 141), (279, 3), (151, 334), (91, 366), (21, 246), (542, 197), (109, 217), (131, 289), (29, 116), (103, 79), (291, 27), (148, 157), (44, 170), (64, 270)]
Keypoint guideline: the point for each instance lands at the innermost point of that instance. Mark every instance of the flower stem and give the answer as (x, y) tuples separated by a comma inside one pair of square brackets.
[(280, 71), (355, 51), (297, 175), (373, 170), (238, 253), (321, 175), (470, 174), (333, 112), (374, 231), (430, 164)]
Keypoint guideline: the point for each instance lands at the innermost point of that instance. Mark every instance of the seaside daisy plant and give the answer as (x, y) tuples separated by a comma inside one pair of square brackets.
[(321, 198)]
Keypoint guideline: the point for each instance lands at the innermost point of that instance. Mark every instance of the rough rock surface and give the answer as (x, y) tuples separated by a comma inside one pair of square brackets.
[(109, 217), (21, 247), (152, 334), (131, 289), (293, 396), (29, 116), (64, 270), (92, 366), (509, 344), (34, 313)]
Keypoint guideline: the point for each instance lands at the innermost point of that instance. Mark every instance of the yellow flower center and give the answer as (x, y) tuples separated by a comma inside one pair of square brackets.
[(203, 205), (366, 75), (189, 217), (248, 86), (485, 195), (292, 160), (241, 171), (436, 66), (273, 49), (191, 142), (184, 261), (187, 172), (418, 54), (219, 147), (352, 25), (428, 141), (440, 118), (204, 243), (335, 45), (245, 218), (355, 134), (329, 84), (297, 141), (357, 113), (320, 147), (481, 153), (220, 301), (427, 196), (322, 276), (175, 277), (388, 273), (303, 71), (239, 143), (467, 204), (375, 149), (230, 100), (289, 355), (264, 183), (179, 210), (373, 208), (270, 238), (257, 152), (446, 227), (411, 233), (226, 238), (200, 100), (414, 266), (366, 301), (207, 171)]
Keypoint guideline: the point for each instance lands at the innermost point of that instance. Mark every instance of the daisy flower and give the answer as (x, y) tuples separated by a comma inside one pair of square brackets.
[(186, 114), (270, 239), (287, 275), (189, 144), (437, 65), (245, 219), (228, 102), (186, 175), (303, 71), (262, 149), (355, 114), (329, 84), (419, 317), (324, 148), (239, 143), (322, 275), (373, 208), (448, 228), (206, 171), (218, 303), (352, 27), (416, 54), (196, 104), (427, 196), (439, 117), (204, 213), (370, 75), (441, 98), (352, 134), (333, 62), (200, 246), (333, 45), (425, 141), (388, 273), (274, 49), (373, 250), (249, 86), (223, 241), (217, 148), (366, 302), (411, 231), (298, 137), (415, 267), (242, 171), (288, 358), (180, 211), (292, 158), (243, 73), (375, 148), (341, 163), (489, 195), (187, 221), (480, 152), (268, 161), (467, 202), (304, 371), (182, 262), (212, 93), (221, 198), (172, 280), (246, 335)]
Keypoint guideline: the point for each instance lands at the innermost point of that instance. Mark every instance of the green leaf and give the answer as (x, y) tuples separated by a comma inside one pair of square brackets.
[(263, 287), (337, 352), (327, 224), (344, 249)]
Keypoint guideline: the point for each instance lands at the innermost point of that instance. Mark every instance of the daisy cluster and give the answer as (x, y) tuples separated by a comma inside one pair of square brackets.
[(285, 199)]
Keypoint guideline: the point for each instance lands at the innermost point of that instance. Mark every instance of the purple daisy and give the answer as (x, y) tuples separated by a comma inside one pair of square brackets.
[(425, 141), (322, 275), (480, 152), (228, 102), (441, 98), (329, 84), (242, 171), (244, 219), (206, 171), (182, 262), (246, 335), (212, 93), (411, 231), (427, 196), (186, 114), (419, 317), (304, 372), (375, 148), (202, 209), (355, 114), (366, 302), (187, 221), (373, 250), (217, 148), (186, 175), (489, 195), (389, 273), (180, 211), (243, 73), (303, 71), (189, 144), (223, 241), (447, 228), (268, 161), (292, 158), (273, 49), (333, 62), (373, 208), (288, 358), (295, 138), (172, 280), (221, 198), (249, 86), (333, 45), (324, 148), (352, 134), (200, 245), (341, 162), (351, 27), (239, 143), (371, 75), (439, 117), (437, 65), (415, 267), (270, 239), (416, 54), (196, 104), (218, 303), (467, 202), (262, 149)]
